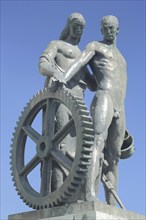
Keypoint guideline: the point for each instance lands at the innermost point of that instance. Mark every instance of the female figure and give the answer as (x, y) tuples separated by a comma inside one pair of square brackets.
[(54, 62)]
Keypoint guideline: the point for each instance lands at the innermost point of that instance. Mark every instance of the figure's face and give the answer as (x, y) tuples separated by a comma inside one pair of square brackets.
[(110, 30), (76, 28)]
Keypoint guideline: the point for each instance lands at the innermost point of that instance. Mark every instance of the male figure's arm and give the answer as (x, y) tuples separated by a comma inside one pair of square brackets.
[(90, 80), (82, 61), (85, 57)]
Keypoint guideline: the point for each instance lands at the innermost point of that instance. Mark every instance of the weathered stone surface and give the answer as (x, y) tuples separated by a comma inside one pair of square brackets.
[(94, 210)]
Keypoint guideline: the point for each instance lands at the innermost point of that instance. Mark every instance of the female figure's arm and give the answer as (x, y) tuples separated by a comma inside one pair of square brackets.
[(46, 62)]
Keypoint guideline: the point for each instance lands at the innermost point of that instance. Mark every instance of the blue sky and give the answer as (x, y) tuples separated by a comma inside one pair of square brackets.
[(26, 29)]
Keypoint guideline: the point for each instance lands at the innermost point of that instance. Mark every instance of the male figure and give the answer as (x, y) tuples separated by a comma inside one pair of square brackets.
[(107, 108)]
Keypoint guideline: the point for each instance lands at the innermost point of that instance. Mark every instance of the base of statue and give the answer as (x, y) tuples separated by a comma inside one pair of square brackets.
[(94, 210)]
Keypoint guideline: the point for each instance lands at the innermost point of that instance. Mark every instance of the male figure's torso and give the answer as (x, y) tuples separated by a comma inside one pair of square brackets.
[(109, 68)]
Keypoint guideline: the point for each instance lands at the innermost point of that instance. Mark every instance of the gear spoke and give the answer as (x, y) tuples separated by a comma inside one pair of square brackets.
[(61, 159), (30, 166), (63, 132), (46, 177), (48, 118), (33, 134)]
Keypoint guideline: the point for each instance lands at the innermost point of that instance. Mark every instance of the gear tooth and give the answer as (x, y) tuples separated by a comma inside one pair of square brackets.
[(74, 185), (38, 93), (12, 139), (88, 137), (85, 162), (87, 156), (41, 92), (14, 133), (87, 143), (81, 106), (79, 176), (30, 205), (89, 131), (59, 202), (15, 184), (86, 124), (82, 168), (68, 194), (77, 98), (37, 207), (18, 193), (85, 118), (71, 189), (87, 150), (63, 198), (52, 204), (83, 112)]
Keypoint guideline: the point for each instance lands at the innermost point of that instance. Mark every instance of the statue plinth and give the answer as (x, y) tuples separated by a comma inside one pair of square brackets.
[(94, 210)]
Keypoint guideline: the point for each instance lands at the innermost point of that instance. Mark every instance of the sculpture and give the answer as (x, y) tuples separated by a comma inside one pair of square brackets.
[(63, 170)]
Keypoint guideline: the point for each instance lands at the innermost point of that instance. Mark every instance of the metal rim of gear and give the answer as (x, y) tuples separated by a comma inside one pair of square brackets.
[(79, 167)]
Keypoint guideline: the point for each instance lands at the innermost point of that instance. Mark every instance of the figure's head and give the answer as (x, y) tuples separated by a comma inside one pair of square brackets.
[(74, 27), (109, 27)]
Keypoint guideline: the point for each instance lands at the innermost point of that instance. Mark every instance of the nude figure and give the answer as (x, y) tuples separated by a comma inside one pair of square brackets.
[(107, 108), (54, 61)]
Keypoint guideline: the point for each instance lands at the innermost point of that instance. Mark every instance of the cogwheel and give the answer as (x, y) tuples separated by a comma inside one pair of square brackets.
[(46, 149)]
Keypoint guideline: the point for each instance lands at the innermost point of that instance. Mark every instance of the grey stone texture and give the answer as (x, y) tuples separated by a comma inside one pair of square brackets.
[(94, 210)]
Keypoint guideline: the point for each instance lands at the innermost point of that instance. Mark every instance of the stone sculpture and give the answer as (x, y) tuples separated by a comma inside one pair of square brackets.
[(65, 119)]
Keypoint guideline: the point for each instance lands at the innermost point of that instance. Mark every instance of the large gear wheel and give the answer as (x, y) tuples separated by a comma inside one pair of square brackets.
[(45, 152)]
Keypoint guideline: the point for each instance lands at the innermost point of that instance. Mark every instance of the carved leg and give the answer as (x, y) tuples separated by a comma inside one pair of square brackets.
[(102, 114), (95, 169), (113, 151)]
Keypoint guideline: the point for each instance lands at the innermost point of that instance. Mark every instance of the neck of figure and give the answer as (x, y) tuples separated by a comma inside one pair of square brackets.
[(72, 40), (110, 43)]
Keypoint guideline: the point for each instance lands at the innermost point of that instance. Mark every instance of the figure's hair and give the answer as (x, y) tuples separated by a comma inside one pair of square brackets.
[(109, 18), (74, 16)]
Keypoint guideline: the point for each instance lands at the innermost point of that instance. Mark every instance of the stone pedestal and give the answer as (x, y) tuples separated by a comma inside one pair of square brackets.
[(94, 210)]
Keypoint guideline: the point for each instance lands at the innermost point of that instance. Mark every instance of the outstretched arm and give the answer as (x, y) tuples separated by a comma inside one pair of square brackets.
[(92, 48), (83, 60)]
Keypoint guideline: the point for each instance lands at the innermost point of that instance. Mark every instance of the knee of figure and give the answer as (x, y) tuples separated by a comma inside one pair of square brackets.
[(117, 154), (99, 142), (113, 161)]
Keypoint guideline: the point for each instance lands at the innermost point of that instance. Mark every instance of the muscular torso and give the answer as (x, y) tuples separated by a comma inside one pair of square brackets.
[(109, 68)]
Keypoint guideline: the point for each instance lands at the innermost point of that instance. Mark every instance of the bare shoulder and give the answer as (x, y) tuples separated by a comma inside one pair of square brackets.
[(53, 46), (54, 43), (94, 45)]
